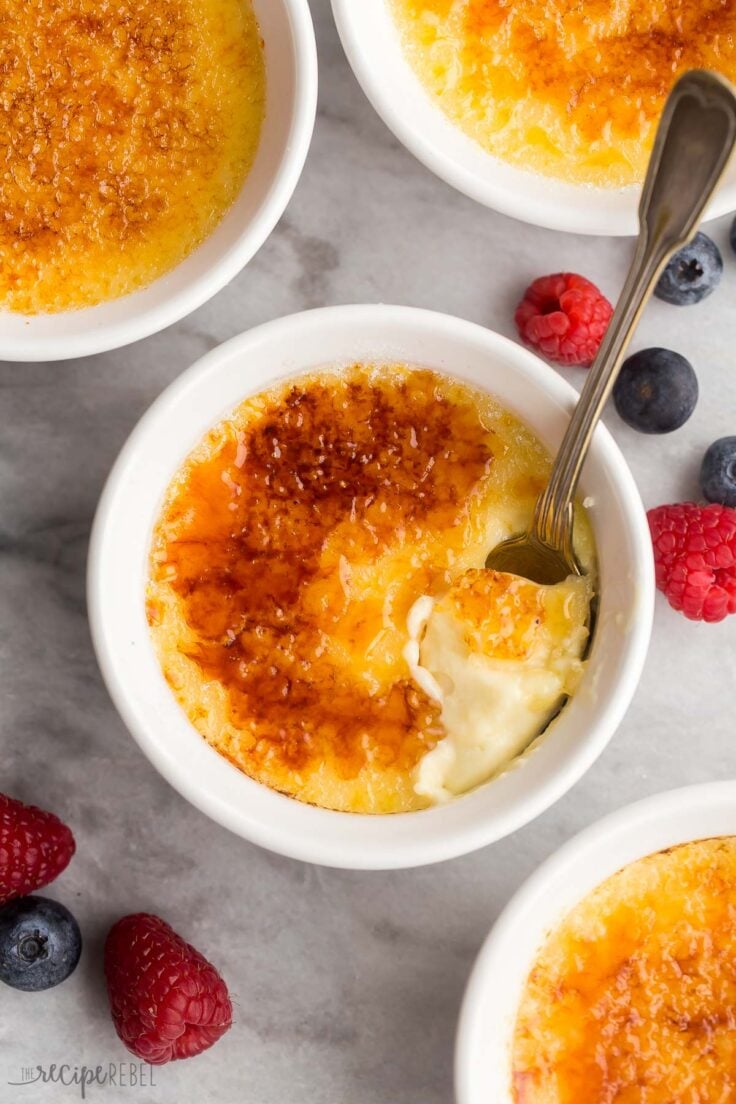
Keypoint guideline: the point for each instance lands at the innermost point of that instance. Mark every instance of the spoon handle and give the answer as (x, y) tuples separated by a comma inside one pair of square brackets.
[(694, 142)]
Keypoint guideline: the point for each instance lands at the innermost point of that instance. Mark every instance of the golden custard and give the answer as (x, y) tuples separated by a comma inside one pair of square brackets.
[(127, 131), (504, 653), (569, 89), (290, 550), (633, 998)]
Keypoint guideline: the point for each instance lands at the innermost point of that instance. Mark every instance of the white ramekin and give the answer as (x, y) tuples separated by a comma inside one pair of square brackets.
[(372, 45), (484, 1042), (291, 102), (118, 563)]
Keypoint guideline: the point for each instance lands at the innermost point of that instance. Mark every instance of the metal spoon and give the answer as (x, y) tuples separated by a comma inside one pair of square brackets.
[(694, 141)]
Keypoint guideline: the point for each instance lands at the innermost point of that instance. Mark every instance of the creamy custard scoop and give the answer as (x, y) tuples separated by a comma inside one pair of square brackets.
[(291, 548), (499, 654)]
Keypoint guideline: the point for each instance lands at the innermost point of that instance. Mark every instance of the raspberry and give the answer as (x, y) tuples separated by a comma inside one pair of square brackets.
[(34, 848), (695, 558), (167, 1001), (564, 317)]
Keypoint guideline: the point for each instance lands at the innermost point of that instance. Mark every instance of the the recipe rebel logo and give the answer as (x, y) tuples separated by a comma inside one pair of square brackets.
[(121, 1075)]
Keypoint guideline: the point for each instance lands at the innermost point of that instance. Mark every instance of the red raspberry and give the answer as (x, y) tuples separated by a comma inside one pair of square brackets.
[(34, 848), (166, 1000), (564, 317), (695, 558)]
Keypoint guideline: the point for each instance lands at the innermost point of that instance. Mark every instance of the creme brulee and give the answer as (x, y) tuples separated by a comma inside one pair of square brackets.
[(128, 130), (633, 997), (293, 551), (568, 89)]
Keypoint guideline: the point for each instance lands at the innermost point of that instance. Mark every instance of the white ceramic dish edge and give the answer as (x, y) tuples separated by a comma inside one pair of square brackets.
[(483, 1046), (367, 32), (291, 109), (117, 566)]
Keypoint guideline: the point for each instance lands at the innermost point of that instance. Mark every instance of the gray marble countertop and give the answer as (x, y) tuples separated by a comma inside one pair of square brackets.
[(347, 985)]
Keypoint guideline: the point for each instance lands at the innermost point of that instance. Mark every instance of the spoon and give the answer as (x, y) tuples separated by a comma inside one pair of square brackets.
[(692, 147)]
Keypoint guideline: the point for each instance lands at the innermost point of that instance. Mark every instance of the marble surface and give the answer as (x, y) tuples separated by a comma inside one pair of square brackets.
[(347, 985)]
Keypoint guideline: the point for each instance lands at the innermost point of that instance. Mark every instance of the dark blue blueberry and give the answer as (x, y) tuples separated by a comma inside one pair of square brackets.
[(718, 472), (692, 273), (732, 236), (40, 943), (656, 391)]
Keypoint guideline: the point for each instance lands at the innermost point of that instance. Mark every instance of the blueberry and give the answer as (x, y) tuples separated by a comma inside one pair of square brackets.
[(718, 472), (732, 236), (692, 273), (656, 391), (40, 943)]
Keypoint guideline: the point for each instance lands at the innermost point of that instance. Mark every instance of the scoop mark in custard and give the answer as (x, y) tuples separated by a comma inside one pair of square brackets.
[(290, 549)]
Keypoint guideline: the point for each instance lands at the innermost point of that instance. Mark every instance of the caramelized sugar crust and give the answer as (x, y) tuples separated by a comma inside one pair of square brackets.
[(633, 998), (566, 88), (501, 614), (289, 552), (128, 129)]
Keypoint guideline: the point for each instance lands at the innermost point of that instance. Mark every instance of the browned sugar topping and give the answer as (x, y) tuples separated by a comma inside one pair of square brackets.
[(127, 128), (335, 470)]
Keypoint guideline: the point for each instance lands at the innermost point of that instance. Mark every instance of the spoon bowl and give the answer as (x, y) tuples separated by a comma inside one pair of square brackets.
[(527, 556)]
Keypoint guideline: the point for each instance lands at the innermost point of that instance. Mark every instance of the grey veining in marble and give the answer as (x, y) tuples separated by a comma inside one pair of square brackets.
[(347, 985)]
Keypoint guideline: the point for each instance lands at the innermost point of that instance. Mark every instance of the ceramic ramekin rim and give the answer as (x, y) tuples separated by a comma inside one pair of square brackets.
[(152, 319), (603, 836), (581, 215), (373, 854)]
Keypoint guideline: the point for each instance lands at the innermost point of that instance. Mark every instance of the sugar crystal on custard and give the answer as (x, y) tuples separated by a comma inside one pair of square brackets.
[(128, 129)]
